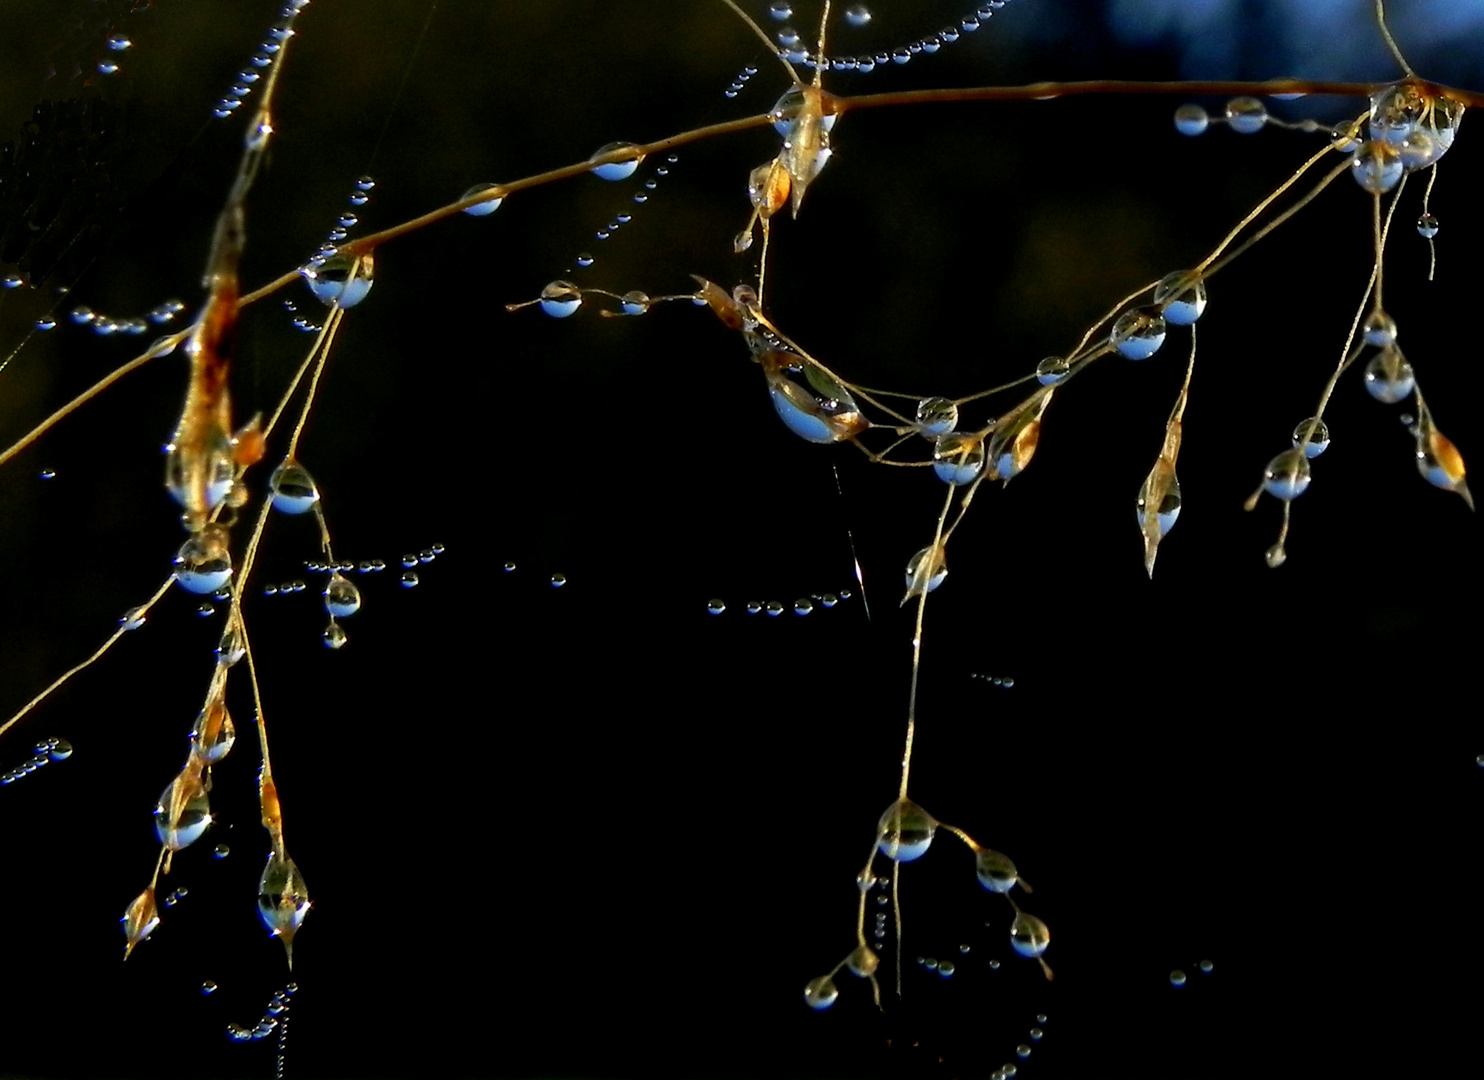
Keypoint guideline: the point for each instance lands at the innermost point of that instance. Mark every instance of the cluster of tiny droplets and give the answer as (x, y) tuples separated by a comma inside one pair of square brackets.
[(409, 562), (267, 52), (804, 605), (618, 221), (1006, 681), (43, 753), (741, 80), (108, 326), (275, 1020), (360, 195), (175, 896), (793, 47), (116, 43)]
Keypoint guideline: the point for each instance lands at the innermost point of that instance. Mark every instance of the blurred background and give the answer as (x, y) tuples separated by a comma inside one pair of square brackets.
[(596, 830)]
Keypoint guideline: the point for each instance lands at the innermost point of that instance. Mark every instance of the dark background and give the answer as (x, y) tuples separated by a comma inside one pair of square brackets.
[(595, 831)]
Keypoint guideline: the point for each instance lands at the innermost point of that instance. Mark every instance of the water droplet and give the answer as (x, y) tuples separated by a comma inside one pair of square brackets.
[(716, 607), (283, 899), (929, 962), (1052, 370), (203, 475), (1377, 166), (58, 749), (208, 987), (1036, 1034), (1177, 977), (1023, 1051), (139, 920), (1138, 334), (221, 851), (1275, 556), (293, 489), (1427, 226), (994, 965), (995, 870), (1287, 475), (1206, 967), (1318, 440), (482, 209), (342, 598), (936, 416), (213, 733), (1246, 115), (409, 579), (204, 562), (857, 15), (946, 969), (821, 993), (1029, 936), (862, 962), (1182, 300), (621, 169), (1191, 120), (926, 570), (958, 458), (1388, 376), (560, 299), (803, 606), (905, 831), (330, 280), (334, 636), (183, 811), (1379, 329), (558, 580)]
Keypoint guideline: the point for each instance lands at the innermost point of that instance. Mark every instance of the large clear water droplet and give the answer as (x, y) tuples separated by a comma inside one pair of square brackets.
[(183, 812), (958, 458), (204, 562), (482, 209), (1182, 299), (294, 490), (1287, 475), (283, 899), (905, 831), (1029, 936), (1388, 376), (1318, 439), (342, 598), (560, 298), (1137, 335), (329, 279), (621, 169), (821, 993), (995, 870), (936, 416)]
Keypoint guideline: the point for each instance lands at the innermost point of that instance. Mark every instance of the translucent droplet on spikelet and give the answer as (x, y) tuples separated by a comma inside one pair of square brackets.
[(139, 920), (958, 458), (334, 636), (925, 571), (1138, 334), (1377, 166), (1439, 461), (862, 962), (283, 900), (1052, 370), (215, 467), (1379, 329), (621, 169), (560, 299), (183, 812), (1029, 936), (905, 831), (213, 733), (995, 870), (1182, 300), (292, 488), (1427, 226), (1246, 115), (133, 619), (821, 993), (330, 280), (488, 206), (811, 404), (1191, 120), (1318, 439), (1287, 475), (1388, 376), (341, 596), (634, 302), (204, 562), (936, 416)]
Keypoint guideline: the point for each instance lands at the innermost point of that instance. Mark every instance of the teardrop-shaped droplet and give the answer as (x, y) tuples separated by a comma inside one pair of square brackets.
[(1377, 166), (204, 562), (283, 900), (821, 992), (863, 961), (1388, 376), (1182, 300), (334, 635), (183, 812), (342, 598), (1158, 506), (1138, 334), (1029, 936), (995, 870), (905, 831), (1379, 329), (293, 489), (811, 404), (621, 169), (1246, 115), (1439, 461), (200, 478), (925, 571), (213, 733), (1287, 475), (139, 920)]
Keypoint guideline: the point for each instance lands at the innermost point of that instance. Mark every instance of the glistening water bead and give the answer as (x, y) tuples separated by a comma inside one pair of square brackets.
[(1287, 475), (1191, 120), (1138, 334), (905, 831)]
